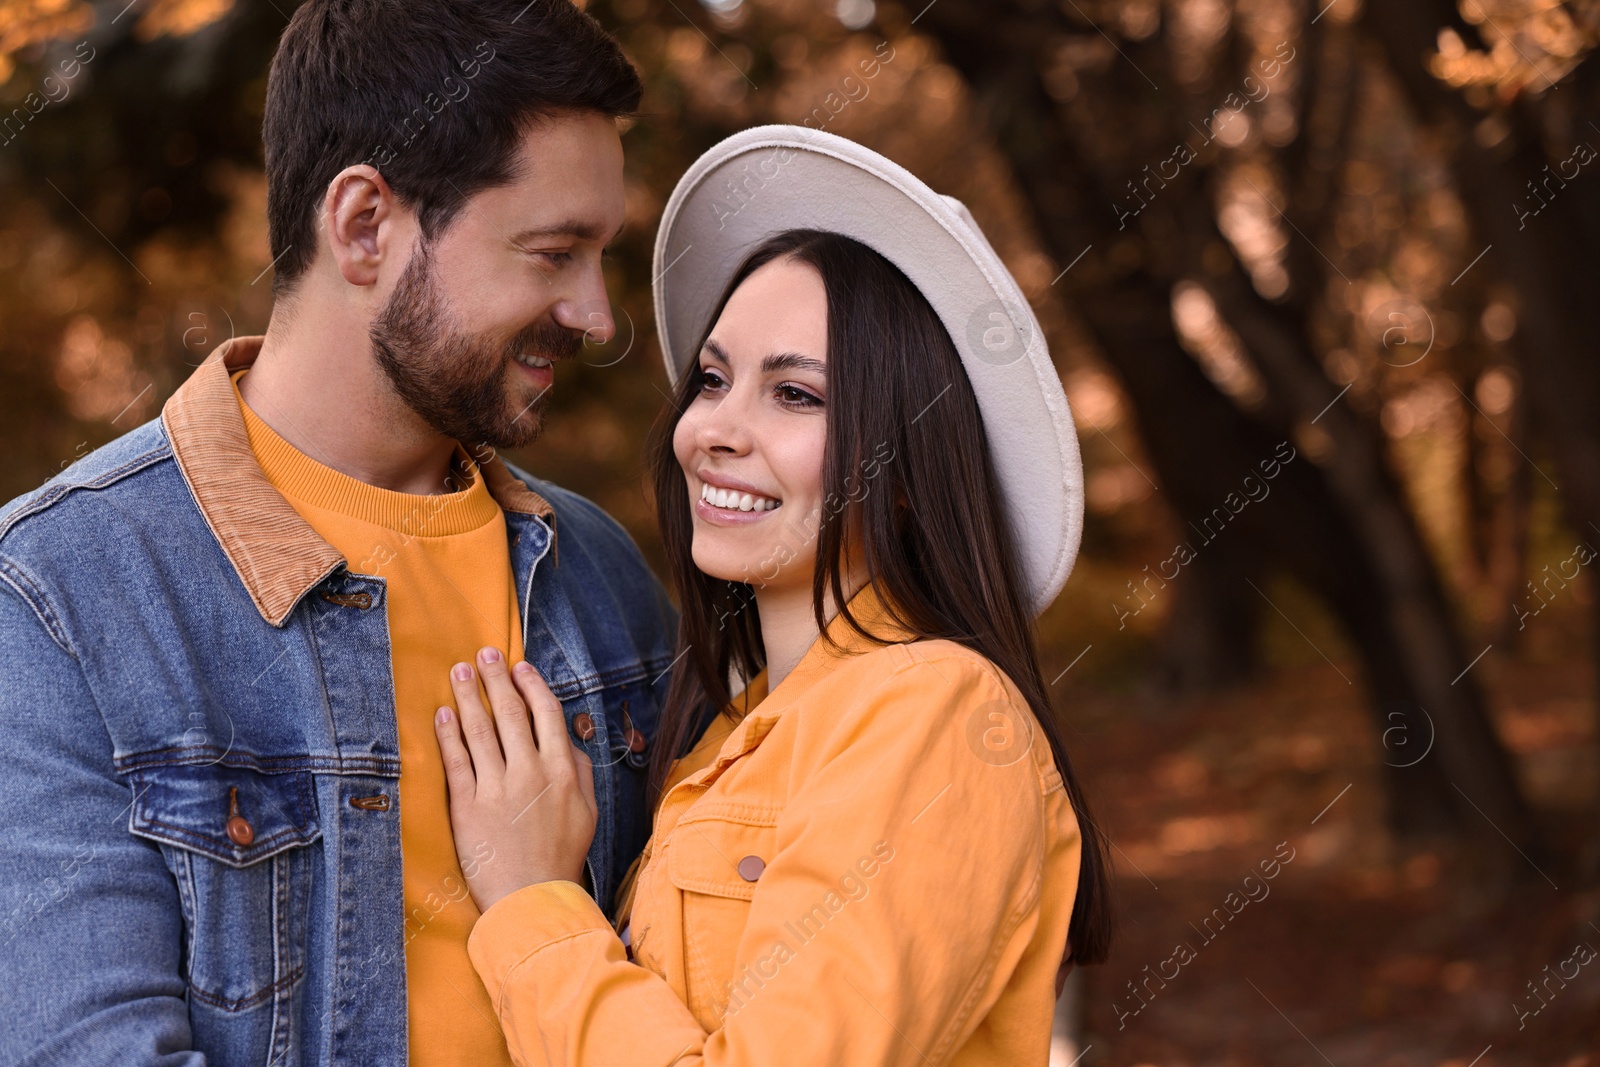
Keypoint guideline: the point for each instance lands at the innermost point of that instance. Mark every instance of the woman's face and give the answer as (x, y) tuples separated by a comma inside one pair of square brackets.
[(751, 442)]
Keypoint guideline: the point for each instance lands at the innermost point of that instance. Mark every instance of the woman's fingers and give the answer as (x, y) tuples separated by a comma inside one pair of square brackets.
[(510, 713), (549, 722), (457, 761), (565, 760), (585, 769), (482, 742)]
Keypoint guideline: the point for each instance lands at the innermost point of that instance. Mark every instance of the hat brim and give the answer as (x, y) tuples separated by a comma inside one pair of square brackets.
[(769, 179)]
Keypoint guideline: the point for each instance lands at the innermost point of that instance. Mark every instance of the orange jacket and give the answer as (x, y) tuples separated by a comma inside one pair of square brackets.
[(875, 865)]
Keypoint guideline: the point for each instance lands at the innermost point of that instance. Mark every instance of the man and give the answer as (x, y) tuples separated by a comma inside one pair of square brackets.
[(223, 637)]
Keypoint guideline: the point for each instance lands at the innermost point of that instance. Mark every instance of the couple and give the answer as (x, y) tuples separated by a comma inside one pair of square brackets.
[(331, 738)]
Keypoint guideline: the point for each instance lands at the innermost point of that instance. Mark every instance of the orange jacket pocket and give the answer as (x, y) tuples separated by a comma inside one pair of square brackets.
[(716, 864)]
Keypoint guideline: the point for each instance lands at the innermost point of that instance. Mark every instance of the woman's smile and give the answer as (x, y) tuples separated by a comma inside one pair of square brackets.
[(726, 501)]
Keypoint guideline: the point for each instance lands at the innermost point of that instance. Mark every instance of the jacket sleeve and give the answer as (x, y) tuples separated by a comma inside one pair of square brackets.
[(834, 964), (90, 925)]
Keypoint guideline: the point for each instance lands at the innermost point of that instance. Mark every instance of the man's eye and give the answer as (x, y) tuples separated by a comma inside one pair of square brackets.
[(545, 260)]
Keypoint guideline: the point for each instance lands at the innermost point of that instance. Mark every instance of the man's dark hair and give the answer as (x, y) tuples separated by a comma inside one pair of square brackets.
[(436, 94)]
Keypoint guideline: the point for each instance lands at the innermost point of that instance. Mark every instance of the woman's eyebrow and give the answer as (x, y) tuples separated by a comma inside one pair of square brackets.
[(778, 361), (792, 361)]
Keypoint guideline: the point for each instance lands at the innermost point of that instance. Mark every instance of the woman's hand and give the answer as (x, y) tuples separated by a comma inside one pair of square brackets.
[(521, 800)]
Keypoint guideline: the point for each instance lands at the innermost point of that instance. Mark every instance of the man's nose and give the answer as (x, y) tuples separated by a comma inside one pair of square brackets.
[(589, 311)]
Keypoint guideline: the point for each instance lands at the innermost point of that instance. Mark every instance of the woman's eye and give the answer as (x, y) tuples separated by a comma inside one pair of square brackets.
[(710, 381), (794, 396)]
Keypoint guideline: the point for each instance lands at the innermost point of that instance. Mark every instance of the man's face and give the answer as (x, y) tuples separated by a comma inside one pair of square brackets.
[(479, 315)]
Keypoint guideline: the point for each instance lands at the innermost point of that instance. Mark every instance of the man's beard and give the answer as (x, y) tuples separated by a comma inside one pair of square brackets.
[(456, 381)]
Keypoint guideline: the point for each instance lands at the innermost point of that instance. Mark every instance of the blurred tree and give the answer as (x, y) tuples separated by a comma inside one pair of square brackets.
[(1141, 158), (1517, 110)]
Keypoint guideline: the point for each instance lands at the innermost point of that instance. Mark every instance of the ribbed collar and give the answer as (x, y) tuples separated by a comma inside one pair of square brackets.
[(302, 478)]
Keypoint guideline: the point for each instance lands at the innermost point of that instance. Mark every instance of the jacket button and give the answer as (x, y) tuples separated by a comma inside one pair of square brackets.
[(750, 868), (583, 726), (636, 740), (240, 832)]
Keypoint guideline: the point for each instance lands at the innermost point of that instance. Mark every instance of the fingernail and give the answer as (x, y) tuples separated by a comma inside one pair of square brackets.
[(523, 667), (490, 655), (461, 672), (442, 716)]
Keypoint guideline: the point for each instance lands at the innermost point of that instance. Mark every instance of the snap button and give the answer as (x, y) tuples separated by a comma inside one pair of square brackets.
[(750, 868), (240, 832), (634, 738), (583, 726), (377, 802)]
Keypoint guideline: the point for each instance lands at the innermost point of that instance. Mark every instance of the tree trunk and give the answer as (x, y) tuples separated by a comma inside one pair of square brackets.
[(1547, 260), (1344, 530)]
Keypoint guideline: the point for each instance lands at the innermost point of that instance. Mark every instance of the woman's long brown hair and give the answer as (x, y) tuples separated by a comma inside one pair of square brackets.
[(907, 468)]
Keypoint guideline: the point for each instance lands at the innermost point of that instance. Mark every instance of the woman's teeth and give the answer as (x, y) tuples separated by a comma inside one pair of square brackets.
[(735, 501)]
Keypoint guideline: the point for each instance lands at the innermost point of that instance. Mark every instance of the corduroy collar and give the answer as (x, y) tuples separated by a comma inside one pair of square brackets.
[(277, 555)]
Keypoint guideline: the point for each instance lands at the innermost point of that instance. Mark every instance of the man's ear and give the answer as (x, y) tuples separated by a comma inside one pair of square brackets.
[(358, 214)]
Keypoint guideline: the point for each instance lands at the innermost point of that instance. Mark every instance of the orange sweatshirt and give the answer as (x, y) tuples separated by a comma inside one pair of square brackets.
[(448, 574)]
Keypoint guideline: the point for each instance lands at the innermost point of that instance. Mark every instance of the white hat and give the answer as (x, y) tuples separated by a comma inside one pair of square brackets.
[(773, 178)]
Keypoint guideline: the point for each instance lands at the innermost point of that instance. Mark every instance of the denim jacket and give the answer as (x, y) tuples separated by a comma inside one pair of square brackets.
[(171, 630)]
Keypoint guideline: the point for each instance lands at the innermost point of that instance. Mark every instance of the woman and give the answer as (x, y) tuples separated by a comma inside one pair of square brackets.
[(876, 852)]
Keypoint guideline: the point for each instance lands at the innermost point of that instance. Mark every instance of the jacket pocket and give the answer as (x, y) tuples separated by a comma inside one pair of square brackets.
[(716, 864), (236, 842)]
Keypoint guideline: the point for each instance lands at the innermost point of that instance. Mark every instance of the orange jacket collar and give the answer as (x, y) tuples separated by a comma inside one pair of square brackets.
[(871, 609)]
